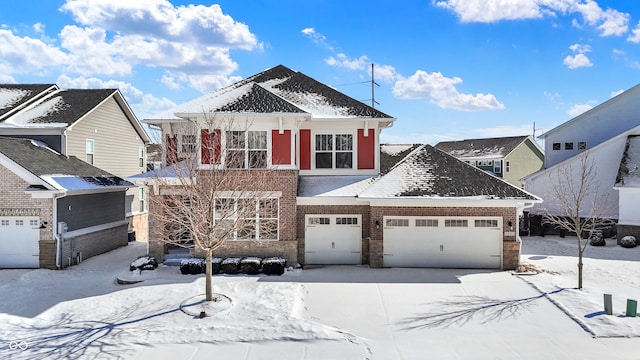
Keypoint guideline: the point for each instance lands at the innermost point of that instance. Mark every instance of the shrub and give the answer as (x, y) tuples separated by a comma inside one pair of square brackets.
[(230, 265), (274, 266), (628, 242), (597, 239), (215, 265), (144, 263), (192, 266), (250, 265)]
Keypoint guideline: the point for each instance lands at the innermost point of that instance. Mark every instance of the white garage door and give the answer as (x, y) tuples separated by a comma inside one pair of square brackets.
[(333, 239), (19, 237), (443, 242)]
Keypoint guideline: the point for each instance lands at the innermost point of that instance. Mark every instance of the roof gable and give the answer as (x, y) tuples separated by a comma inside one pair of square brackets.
[(276, 90), (481, 148)]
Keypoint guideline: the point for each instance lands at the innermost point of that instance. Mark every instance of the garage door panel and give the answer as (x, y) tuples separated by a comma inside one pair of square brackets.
[(333, 240), (19, 242), (437, 245)]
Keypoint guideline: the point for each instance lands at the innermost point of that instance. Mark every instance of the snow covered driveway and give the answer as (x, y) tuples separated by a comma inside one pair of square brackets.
[(336, 312)]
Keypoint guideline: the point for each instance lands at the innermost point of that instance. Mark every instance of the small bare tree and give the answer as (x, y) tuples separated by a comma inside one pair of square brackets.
[(202, 206), (578, 204)]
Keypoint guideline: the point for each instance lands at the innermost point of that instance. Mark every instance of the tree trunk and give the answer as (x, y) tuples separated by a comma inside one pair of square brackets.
[(208, 291), (580, 271)]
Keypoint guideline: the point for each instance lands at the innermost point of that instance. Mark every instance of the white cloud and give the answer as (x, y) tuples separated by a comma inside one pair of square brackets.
[(38, 28), (341, 60), (386, 73), (635, 34), (580, 59), (578, 109), (504, 131), (316, 37), (16, 54), (616, 93), (608, 22), (442, 91), (577, 61)]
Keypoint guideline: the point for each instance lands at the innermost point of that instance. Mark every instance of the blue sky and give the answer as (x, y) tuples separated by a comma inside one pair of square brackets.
[(447, 69)]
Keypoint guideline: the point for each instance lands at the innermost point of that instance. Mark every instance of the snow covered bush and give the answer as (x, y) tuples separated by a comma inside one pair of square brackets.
[(192, 266), (250, 265), (597, 239), (628, 242), (144, 263), (215, 265), (231, 265), (274, 266)]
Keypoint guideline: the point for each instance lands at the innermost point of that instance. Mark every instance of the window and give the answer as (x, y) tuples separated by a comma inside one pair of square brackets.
[(426, 222), (19, 222), (486, 223), (582, 145), (4, 222), (141, 156), (568, 146), (397, 222), (347, 221), (557, 146), (334, 151), (248, 218), (33, 222), (246, 149), (455, 223), (188, 144), (497, 166), (319, 221), (89, 151), (506, 166), (141, 196)]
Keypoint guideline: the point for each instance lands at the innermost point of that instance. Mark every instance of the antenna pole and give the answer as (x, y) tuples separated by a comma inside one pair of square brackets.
[(373, 82)]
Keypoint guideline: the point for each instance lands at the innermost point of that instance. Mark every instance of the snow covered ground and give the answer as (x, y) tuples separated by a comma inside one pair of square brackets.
[(334, 312)]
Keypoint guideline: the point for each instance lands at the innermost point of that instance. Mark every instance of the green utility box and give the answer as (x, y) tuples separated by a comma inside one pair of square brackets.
[(632, 308)]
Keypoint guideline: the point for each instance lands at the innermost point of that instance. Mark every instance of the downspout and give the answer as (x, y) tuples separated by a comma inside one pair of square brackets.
[(56, 235)]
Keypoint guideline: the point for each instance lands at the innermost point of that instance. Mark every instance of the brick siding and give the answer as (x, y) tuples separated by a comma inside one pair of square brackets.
[(94, 243)]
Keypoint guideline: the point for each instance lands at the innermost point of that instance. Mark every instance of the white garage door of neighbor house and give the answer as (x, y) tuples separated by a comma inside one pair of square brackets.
[(333, 239), (19, 236), (442, 242)]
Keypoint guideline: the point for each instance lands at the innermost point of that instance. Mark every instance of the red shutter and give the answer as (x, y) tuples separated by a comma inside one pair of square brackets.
[(281, 147), (305, 149), (366, 150), (210, 145), (172, 149)]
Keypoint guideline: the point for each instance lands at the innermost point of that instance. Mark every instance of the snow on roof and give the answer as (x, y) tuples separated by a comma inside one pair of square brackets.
[(9, 97), (395, 149), (338, 186), (481, 148), (276, 90), (629, 171), (46, 108), (75, 183)]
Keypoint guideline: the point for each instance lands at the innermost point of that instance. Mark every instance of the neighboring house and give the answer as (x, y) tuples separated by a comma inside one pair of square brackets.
[(94, 125), (342, 197), (509, 158), (606, 135), (56, 210)]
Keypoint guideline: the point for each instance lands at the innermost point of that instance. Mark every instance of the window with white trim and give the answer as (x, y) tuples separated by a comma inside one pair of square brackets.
[(89, 151), (334, 151), (347, 221), (497, 166), (582, 145), (248, 218), (4, 222), (486, 223), (141, 156), (426, 222), (19, 222), (141, 198), (556, 146), (507, 166), (187, 144), (456, 223), (33, 222), (246, 149), (319, 221), (568, 146), (397, 222)]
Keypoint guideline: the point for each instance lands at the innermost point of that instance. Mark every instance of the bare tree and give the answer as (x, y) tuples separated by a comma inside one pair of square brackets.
[(578, 204), (214, 192)]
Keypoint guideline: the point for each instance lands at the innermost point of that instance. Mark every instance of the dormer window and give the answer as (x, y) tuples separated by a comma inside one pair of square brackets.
[(334, 151)]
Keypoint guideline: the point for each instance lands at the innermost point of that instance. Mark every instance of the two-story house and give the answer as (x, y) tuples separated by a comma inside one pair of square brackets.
[(94, 125), (605, 135), (335, 205), (509, 158)]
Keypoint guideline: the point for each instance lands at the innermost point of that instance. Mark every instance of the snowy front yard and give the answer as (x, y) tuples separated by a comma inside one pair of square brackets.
[(345, 312)]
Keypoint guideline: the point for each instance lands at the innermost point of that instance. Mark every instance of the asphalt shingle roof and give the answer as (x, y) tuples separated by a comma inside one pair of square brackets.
[(61, 107), (15, 95), (481, 148), (429, 172), (277, 90), (41, 160)]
